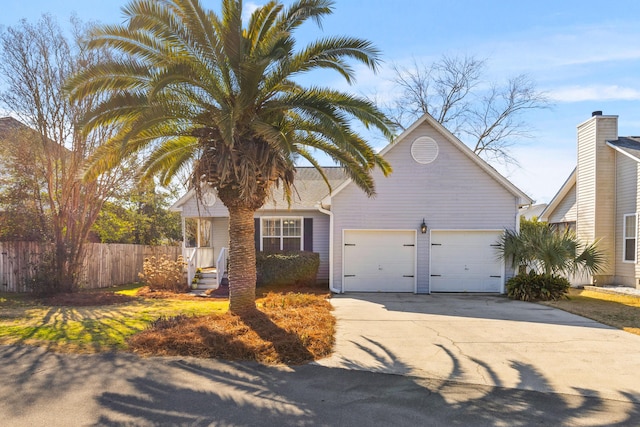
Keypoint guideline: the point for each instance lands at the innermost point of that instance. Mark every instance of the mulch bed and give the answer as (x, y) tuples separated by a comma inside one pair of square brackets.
[(290, 329), (221, 292)]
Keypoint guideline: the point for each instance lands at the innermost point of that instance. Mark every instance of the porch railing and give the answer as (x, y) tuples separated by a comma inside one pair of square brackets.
[(221, 265), (192, 265)]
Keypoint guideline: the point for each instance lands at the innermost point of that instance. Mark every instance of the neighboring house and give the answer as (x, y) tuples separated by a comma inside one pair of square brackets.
[(532, 211), (8, 126), (600, 199), (432, 226)]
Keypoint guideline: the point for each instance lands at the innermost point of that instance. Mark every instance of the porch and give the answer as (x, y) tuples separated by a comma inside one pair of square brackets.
[(205, 250)]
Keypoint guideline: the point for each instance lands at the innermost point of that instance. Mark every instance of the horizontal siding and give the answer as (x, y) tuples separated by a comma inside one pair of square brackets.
[(595, 190), (585, 181), (219, 235), (320, 235), (566, 210), (220, 231), (636, 278), (605, 209), (452, 192), (626, 203)]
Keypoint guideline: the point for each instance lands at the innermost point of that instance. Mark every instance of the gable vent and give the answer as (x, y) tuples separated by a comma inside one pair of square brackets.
[(424, 150)]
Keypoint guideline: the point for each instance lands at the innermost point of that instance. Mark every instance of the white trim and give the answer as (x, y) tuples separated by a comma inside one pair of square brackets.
[(601, 116), (327, 212), (177, 205), (517, 218), (502, 263), (415, 251), (280, 217), (624, 239), (622, 151)]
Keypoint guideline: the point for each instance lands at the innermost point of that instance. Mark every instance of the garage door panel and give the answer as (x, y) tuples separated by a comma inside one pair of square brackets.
[(465, 261), (379, 261)]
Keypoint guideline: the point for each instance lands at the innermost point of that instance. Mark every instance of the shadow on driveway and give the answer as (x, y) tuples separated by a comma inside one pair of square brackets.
[(485, 340), (121, 389)]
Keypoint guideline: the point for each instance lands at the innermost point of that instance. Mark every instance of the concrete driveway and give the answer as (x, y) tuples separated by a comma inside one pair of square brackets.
[(485, 340)]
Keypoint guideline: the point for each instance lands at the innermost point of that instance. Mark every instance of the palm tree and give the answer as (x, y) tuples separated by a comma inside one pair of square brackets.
[(539, 247), (192, 90)]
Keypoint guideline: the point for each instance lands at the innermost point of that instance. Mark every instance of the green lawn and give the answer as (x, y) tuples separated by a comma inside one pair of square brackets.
[(24, 320)]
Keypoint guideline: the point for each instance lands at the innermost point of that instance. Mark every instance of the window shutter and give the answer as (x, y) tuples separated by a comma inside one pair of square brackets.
[(308, 234), (256, 236)]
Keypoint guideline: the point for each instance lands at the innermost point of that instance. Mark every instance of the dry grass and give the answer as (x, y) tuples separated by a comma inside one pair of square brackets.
[(287, 328), (619, 311)]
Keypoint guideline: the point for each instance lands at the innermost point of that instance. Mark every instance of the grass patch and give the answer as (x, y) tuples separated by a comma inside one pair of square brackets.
[(619, 311), (89, 321)]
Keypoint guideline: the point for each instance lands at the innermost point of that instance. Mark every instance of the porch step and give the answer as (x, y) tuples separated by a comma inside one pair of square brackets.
[(209, 279)]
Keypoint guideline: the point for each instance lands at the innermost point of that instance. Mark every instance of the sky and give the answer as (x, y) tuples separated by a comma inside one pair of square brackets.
[(584, 54)]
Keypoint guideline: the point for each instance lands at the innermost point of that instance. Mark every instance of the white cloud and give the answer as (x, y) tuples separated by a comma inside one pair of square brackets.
[(247, 9), (563, 53), (542, 170), (578, 93)]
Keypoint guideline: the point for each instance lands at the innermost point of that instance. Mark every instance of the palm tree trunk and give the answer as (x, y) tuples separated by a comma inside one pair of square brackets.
[(242, 260)]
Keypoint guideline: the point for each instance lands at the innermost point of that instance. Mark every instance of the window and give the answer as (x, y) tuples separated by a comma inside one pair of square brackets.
[(191, 232), (197, 232), (630, 237), (281, 234)]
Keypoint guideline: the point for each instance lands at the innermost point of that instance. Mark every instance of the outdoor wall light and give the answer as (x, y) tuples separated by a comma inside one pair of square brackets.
[(423, 227)]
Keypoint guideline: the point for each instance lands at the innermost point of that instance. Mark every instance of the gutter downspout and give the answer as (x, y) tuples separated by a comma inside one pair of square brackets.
[(503, 289), (327, 212)]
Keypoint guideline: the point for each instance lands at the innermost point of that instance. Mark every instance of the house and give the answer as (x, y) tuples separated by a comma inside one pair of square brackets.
[(432, 226), (532, 211), (600, 199)]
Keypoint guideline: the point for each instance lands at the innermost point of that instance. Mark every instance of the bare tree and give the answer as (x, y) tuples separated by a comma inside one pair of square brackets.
[(451, 89), (22, 212), (35, 60)]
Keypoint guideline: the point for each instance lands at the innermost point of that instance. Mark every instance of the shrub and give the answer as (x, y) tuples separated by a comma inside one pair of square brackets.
[(163, 274), (537, 287), (43, 280), (287, 268)]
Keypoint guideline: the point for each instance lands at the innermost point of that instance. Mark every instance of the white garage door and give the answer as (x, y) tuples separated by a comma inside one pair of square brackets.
[(379, 260), (465, 261)]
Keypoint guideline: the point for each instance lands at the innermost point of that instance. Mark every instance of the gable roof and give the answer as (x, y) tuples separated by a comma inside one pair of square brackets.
[(629, 146), (560, 195), (529, 212), (9, 124), (523, 199), (11, 128), (309, 189)]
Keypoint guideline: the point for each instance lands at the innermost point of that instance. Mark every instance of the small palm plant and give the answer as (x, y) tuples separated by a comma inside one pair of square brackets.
[(540, 250)]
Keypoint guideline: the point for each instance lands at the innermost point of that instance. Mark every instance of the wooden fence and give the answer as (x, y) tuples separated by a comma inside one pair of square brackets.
[(106, 264)]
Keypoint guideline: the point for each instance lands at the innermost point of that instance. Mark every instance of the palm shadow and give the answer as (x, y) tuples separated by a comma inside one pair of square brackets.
[(309, 395), (122, 389), (288, 346)]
